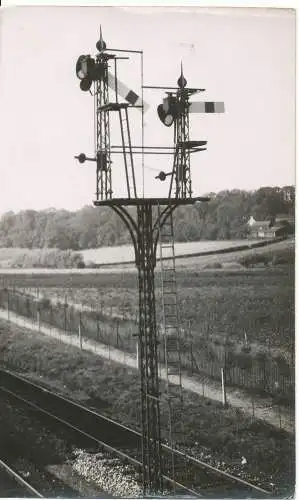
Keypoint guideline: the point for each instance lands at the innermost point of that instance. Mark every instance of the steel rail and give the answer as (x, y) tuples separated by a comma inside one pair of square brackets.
[(12, 473), (71, 426), (216, 471), (113, 450), (192, 460)]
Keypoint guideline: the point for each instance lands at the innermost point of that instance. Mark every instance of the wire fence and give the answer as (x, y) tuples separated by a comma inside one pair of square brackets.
[(262, 374)]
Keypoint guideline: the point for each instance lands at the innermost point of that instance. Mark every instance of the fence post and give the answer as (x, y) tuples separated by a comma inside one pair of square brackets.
[(38, 319), (117, 332), (80, 332), (8, 305), (279, 412), (224, 401), (191, 346), (98, 328), (253, 412), (137, 355), (65, 306)]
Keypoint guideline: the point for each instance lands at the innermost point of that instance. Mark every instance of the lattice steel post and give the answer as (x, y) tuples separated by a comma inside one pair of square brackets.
[(182, 155), (102, 130), (144, 230), (150, 409)]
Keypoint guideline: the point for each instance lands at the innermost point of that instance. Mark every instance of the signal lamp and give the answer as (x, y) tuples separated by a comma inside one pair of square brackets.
[(166, 118), (82, 67), (81, 157), (85, 84), (168, 111), (85, 71)]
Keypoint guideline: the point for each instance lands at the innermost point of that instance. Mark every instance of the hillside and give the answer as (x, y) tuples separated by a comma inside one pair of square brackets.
[(224, 217)]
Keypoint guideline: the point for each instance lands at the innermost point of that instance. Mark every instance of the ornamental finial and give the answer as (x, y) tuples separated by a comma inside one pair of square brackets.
[(101, 45), (182, 82)]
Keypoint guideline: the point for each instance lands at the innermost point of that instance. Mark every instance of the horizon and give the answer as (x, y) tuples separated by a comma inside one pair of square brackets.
[(242, 57)]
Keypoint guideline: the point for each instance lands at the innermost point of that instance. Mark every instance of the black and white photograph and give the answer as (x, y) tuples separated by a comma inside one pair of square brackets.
[(147, 251)]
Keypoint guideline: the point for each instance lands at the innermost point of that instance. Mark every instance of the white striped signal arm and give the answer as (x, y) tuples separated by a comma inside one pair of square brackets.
[(206, 107), (128, 94)]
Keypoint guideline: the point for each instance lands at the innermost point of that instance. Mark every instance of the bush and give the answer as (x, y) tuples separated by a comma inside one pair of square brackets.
[(246, 349), (52, 258), (232, 265), (283, 365), (44, 303), (261, 357), (243, 360), (81, 265), (92, 265), (213, 265), (254, 260), (286, 257)]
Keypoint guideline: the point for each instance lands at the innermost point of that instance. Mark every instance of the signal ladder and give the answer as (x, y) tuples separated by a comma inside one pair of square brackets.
[(171, 334), (127, 149)]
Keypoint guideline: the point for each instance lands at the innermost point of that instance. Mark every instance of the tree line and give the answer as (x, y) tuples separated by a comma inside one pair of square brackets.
[(225, 216)]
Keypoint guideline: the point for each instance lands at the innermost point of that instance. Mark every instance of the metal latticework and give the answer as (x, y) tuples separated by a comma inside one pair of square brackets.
[(151, 439), (144, 230), (145, 233), (103, 151), (180, 186)]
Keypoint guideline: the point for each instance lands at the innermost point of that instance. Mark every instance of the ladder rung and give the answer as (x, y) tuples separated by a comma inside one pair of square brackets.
[(173, 362), (175, 390), (173, 394)]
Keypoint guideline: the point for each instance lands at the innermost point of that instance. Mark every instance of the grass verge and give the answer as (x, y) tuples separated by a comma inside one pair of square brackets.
[(219, 435)]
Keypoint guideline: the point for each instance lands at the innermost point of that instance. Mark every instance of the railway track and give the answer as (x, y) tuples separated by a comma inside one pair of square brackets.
[(13, 485), (192, 476)]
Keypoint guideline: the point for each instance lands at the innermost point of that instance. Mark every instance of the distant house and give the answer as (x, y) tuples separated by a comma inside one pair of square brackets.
[(278, 227)]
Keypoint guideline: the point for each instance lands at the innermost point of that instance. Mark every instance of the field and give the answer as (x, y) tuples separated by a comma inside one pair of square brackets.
[(107, 255), (51, 258), (239, 316), (237, 313)]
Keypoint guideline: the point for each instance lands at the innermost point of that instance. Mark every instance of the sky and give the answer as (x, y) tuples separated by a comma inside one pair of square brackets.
[(242, 56)]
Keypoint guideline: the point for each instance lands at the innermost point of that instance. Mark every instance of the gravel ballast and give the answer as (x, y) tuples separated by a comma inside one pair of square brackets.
[(109, 473)]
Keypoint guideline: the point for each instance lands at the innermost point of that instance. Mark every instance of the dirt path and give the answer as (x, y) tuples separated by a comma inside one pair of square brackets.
[(259, 407)]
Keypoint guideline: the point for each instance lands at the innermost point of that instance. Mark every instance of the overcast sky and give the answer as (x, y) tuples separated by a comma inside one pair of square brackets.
[(244, 57)]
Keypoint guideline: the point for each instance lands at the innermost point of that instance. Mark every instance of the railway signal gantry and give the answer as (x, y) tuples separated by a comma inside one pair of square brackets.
[(99, 76)]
